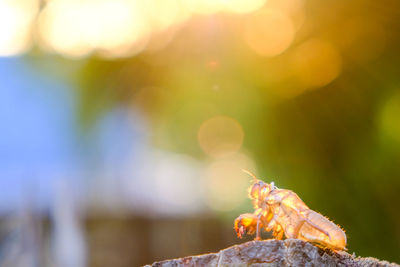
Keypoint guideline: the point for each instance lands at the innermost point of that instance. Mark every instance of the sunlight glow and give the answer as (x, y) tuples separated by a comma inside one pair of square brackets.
[(16, 17), (202, 6), (269, 32), (112, 28), (242, 6), (290, 6), (293, 8), (166, 13), (230, 6), (116, 26), (77, 28), (60, 28)]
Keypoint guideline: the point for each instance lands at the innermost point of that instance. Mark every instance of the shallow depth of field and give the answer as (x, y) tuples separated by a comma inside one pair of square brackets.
[(125, 123)]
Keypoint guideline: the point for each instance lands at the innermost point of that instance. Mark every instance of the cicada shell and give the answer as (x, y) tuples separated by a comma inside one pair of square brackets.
[(285, 214)]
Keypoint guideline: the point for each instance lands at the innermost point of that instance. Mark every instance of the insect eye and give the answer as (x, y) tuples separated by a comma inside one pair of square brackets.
[(254, 190)]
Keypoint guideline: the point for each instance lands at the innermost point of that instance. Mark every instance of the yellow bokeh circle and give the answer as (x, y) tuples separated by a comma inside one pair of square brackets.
[(220, 135)]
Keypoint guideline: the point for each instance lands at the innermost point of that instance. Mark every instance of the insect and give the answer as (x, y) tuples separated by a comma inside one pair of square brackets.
[(284, 213)]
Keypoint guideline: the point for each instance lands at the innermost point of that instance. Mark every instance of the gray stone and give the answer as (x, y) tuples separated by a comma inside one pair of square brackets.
[(290, 252)]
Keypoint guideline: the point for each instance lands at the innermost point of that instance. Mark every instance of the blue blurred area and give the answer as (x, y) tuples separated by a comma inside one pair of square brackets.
[(117, 137), (49, 166), (38, 140)]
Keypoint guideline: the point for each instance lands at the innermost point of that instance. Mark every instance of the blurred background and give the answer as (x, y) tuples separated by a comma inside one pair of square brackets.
[(125, 123)]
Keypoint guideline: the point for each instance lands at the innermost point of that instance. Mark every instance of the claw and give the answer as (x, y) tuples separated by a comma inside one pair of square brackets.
[(241, 232), (239, 228), (246, 224)]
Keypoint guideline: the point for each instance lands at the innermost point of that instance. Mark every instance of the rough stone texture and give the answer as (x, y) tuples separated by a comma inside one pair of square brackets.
[(290, 252)]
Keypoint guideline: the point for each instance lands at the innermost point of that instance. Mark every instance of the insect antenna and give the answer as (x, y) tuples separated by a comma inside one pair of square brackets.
[(255, 179)]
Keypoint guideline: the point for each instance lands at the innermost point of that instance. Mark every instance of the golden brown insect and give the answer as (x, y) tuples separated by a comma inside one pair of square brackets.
[(284, 213)]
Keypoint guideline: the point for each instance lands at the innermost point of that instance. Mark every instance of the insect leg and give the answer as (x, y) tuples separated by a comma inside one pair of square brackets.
[(246, 224), (258, 228), (317, 227), (298, 227), (275, 226), (278, 232), (271, 223)]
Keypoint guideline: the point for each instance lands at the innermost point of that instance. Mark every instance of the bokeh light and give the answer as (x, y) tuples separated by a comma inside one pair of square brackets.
[(243, 6), (220, 135), (74, 28), (293, 8), (16, 18), (226, 183), (164, 14), (214, 6), (269, 32), (116, 26), (316, 63), (60, 28), (111, 28)]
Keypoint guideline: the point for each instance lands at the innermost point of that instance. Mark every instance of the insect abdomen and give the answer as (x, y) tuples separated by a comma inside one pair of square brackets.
[(319, 229)]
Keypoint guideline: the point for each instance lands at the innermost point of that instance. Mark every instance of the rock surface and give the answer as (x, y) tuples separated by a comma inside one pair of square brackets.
[(290, 252)]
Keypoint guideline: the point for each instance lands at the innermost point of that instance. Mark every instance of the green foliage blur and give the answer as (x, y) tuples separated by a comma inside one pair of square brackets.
[(336, 145)]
